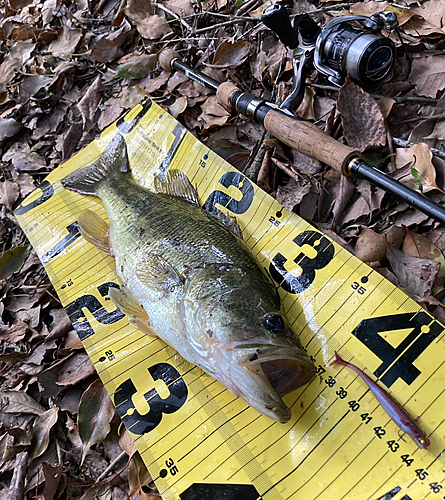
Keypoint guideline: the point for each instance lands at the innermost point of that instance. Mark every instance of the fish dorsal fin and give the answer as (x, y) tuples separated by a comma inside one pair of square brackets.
[(176, 183), (155, 272), (227, 221), (95, 230)]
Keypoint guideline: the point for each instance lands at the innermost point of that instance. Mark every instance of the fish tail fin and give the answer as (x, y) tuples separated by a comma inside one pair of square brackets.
[(338, 360), (114, 160)]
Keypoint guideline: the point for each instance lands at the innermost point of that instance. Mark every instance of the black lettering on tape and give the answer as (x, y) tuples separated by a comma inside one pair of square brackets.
[(93, 305), (73, 233), (126, 127), (217, 491), (297, 284), (178, 133), (47, 191), (139, 423), (390, 494), (397, 362), (242, 183)]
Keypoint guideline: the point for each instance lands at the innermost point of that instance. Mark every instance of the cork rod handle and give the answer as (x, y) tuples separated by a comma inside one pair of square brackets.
[(309, 140)]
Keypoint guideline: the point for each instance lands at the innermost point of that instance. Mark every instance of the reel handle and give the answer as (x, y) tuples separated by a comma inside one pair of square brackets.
[(277, 19)]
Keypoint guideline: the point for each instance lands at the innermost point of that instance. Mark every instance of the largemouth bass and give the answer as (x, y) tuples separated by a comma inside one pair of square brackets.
[(189, 279)]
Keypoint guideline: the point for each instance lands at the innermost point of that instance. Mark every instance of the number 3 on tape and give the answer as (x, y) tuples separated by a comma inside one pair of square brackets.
[(139, 423), (325, 253)]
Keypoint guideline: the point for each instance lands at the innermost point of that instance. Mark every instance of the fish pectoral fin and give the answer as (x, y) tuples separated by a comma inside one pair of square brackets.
[(175, 183), (155, 272), (95, 230), (129, 305)]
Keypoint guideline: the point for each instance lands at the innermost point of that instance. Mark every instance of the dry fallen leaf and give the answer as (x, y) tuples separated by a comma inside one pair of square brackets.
[(137, 67), (428, 75), (95, 413), (12, 260), (65, 43), (150, 26), (178, 107), (75, 369), (231, 55), (363, 123), (132, 96), (138, 475), (438, 131), (292, 193), (9, 192), (370, 246), (19, 441), (417, 157), (55, 481), (106, 51), (17, 331), (7, 69), (367, 8), (40, 432), (419, 246), (127, 444), (415, 274), (432, 11), (8, 128)]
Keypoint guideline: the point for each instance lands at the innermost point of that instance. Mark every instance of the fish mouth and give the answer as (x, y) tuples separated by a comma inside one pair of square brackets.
[(285, 369), (266, 371)]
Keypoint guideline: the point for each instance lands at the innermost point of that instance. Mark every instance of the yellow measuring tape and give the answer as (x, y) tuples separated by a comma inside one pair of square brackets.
[(199, 441)]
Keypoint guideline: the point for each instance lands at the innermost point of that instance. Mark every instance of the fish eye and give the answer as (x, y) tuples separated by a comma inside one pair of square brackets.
[(274, 323)]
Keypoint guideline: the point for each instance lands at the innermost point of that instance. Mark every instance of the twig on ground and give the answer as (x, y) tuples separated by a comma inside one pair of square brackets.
[(168, 11), (220, 25), (413, 39), (392, 166), (18, 478), (406, 144), (286, 169), (110, 467), (249, 5), (232, 16)]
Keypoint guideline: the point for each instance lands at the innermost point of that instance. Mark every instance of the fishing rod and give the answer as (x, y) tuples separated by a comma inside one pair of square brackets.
[(303, 136)]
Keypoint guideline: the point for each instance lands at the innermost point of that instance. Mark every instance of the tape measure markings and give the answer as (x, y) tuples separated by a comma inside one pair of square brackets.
[(220, 464), (213, 432), (309, 454), (122, 358), (72, 259), (330, 456), (388, 479), (302, 437), (284, 436), (189, 434), (218, 418), (377, 463), (316, 294), (325, 462), (343, 470), (142, 337), (183, 422), (350, 462), (261, 202), (260, 206)]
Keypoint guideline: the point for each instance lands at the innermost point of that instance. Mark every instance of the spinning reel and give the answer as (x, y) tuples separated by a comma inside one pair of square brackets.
[(335, 50)]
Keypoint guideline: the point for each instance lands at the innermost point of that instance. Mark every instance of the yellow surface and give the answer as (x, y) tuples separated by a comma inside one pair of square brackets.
[(336, 444)]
